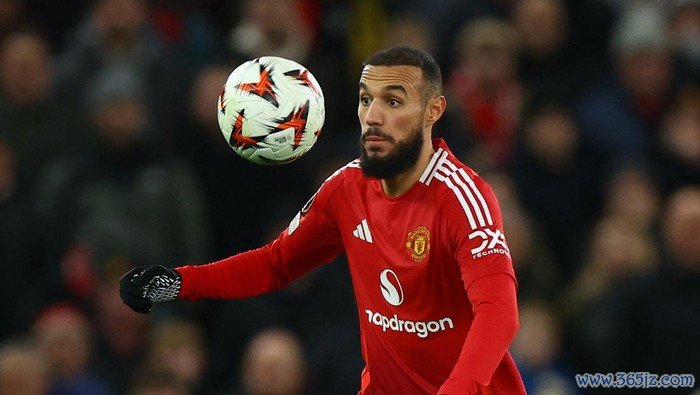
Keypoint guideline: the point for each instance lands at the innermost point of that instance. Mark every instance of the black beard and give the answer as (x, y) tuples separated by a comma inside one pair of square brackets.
[(404, 156)]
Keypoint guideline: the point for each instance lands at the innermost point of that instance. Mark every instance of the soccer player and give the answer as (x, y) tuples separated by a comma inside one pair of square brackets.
[(423, 235)]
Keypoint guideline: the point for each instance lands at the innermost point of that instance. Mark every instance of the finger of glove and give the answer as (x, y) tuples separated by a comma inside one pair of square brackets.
[(138, 304), (142, 309), (130, 290), (127, 278), (147, 275), (130, 294)]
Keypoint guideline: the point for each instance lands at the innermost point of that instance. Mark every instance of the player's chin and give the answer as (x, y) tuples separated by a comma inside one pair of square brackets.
[(377, 147), (376, 153)]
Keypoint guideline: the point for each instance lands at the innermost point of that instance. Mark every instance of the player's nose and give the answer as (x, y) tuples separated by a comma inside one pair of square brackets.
[(373, 115)]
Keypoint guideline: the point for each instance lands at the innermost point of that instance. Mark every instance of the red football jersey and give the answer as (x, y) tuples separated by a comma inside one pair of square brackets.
[(422, 265)]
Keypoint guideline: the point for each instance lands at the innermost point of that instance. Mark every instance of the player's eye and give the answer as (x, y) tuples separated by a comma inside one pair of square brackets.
[(365, 101), (393, 102)]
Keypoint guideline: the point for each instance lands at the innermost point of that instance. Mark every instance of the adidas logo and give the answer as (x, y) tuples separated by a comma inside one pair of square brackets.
[(362, 232)]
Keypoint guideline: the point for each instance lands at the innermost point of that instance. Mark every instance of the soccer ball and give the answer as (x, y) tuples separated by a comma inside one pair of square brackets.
[(271, 110)]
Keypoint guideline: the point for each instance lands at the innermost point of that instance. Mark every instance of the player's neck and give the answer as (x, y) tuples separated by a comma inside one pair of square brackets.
[(396, 186)]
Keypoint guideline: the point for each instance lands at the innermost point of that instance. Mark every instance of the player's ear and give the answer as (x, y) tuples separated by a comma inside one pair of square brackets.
[(435, 108)]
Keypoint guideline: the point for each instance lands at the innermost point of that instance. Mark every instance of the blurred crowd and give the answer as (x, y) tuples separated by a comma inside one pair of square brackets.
[(584, 116)]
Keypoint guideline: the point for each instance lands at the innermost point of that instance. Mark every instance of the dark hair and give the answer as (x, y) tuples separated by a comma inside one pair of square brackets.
[(407, 56)]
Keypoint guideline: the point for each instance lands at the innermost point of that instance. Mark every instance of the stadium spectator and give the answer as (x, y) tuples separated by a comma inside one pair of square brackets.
[(559, 177), (274, 364), (485, 86), (538, 350), (632, 194), (620, 253), (123, 199), (189, 42), (651, 316), (112, 33), (118, 34), (176, 348), (622, 115), (679, 143), (409, 30), (120, 339), (23, 369), (185, 29), (271, 27), (684, 26), (64, 334), (553, 63), (39, 121), (447, 17)]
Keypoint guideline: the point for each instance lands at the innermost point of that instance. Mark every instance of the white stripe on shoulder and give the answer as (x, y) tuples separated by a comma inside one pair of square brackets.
[(474, 190), (431, 165), (442, 158), (478, 194), (452, 172), (469, 196), (460, 197)]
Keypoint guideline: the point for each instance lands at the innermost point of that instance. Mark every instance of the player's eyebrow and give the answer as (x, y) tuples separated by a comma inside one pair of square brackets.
[(399, 88)]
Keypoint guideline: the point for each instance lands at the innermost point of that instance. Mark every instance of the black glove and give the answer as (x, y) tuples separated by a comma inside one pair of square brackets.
[(144, 285)]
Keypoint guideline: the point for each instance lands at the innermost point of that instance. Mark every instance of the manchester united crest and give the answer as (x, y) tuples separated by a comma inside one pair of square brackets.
[(418, 243)]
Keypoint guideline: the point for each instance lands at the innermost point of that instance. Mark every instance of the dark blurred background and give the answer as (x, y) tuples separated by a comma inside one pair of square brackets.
[(584, 116)]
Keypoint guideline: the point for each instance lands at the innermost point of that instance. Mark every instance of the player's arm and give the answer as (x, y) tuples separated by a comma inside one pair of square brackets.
[(489, 281), (310, 240), (493, 329)]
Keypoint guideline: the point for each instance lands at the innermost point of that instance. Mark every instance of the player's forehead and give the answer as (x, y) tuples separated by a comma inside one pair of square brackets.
[(378, 78)]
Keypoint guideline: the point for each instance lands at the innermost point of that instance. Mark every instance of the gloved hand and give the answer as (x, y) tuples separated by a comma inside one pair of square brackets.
[(142, 286)]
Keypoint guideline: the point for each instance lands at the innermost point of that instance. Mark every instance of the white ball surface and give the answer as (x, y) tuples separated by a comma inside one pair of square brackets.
[(271, 110)]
